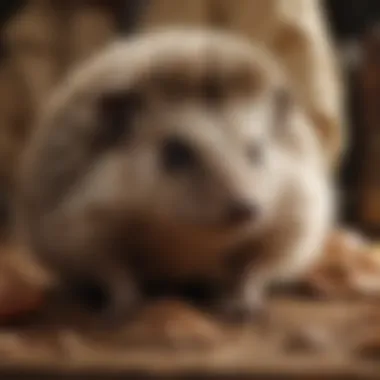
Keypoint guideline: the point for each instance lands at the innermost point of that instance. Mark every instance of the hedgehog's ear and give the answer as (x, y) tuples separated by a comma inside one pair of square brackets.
[(116, 111)]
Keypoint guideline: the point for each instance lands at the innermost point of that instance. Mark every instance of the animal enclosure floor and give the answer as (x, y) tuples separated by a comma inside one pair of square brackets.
[(297, 339)]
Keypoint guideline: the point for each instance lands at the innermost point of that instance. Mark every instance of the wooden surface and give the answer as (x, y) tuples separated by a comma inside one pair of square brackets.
[(180, 342)]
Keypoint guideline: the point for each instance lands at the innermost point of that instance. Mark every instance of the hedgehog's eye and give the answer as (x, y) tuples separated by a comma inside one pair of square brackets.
[(177, 155), (256, 153), (212, 90), (116, 113)]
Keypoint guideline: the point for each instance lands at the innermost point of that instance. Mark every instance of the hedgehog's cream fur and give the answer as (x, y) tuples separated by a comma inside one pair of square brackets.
[(174, 223)]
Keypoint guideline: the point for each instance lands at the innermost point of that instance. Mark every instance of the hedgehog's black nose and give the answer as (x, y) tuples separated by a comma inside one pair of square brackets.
[(241, 212)]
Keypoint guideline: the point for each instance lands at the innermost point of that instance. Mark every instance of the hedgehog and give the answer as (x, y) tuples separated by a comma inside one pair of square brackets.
[(176, 155)]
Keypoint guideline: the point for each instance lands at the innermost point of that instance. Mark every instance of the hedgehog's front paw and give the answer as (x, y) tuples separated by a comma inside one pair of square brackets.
[(241, 306), (238, 310), (122, 304), (111, 305)]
